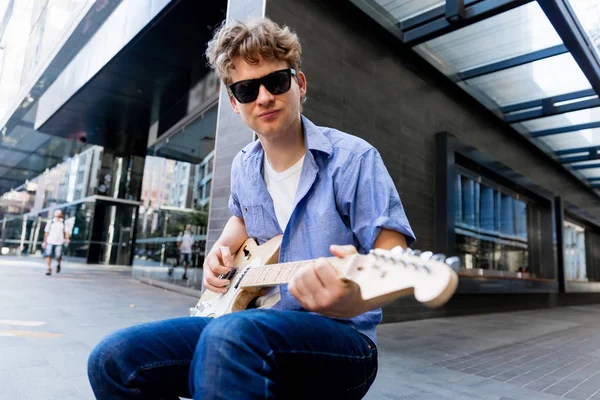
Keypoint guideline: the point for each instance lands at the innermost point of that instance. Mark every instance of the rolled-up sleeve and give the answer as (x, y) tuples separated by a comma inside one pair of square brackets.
[(371, 202)]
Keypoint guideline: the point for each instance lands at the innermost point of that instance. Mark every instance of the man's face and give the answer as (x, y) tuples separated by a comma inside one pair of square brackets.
[(59, 215), (269, 115)]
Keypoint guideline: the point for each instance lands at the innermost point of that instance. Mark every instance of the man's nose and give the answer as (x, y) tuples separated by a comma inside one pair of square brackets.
[(264, 96)]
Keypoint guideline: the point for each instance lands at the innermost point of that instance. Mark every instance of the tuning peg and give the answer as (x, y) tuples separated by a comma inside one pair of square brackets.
[(454, 263), (426, 255), (415, 253), (397, 252), (438, 257)]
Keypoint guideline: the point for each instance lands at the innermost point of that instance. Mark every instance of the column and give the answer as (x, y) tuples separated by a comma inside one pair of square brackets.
[(232, 134)]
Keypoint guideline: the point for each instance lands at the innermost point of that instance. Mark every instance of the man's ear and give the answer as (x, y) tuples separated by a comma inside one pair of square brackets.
[(234, 104), (302, 85)]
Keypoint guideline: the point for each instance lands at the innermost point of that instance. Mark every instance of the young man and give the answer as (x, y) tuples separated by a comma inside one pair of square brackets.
[(317, 186), (55, 236)]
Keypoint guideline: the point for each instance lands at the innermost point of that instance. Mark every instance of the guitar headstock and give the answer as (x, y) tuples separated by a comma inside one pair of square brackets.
[(390, 274)]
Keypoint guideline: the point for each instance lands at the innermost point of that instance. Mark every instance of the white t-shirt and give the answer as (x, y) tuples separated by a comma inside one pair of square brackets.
[(282, 188), (186, 243), (56, 231)]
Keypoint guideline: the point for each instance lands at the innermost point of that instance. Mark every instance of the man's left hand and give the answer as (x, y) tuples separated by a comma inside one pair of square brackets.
[(318, 288)]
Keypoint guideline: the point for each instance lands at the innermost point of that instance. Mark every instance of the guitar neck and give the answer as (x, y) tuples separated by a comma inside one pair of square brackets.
[(279, 274)]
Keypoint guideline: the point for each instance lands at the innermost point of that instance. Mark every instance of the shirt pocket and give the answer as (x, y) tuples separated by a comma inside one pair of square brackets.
[(326, 221), (254, 221)]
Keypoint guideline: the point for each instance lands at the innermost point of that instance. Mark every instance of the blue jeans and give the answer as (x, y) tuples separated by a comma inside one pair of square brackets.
[(253, 354), (55, 249)]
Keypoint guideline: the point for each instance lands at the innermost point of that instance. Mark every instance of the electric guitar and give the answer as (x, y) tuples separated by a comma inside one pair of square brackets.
[(381, 275)]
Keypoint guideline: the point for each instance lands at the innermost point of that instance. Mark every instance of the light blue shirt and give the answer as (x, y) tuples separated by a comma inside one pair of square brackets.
[(345, 196)]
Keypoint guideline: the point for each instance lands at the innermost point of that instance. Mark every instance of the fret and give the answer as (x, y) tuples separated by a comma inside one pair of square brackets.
[(276, 274), (279, 272)]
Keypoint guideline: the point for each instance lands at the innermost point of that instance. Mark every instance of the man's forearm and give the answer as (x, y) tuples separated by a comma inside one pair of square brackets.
[(234, 234)]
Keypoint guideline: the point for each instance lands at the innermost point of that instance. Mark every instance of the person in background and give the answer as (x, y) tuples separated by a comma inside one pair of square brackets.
[(184, 244), (55, 237)]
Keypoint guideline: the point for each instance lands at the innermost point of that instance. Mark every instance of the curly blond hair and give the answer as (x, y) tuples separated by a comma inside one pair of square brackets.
[(258, 38)]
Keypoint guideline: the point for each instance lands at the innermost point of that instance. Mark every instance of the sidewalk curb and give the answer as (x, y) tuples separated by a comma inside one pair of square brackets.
[(174, 288)]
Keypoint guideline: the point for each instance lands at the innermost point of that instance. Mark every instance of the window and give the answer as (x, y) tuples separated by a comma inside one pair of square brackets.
[(207, 190), (574, 248), (491, 227)]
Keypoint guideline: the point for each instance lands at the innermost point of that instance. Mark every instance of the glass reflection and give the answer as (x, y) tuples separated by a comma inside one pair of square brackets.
[(175, 194), (588, 13), (513, 33), (404, 9), (574, 248), (537, 80), (491, 228), (35, 28)]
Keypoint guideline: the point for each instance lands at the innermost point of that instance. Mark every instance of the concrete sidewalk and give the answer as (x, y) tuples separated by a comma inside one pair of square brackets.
[(48, 326)]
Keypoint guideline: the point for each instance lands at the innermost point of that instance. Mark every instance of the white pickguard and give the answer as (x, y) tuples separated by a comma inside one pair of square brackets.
[(223, 302)]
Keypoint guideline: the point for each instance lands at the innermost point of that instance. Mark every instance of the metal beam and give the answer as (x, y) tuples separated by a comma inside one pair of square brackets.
[(586, 166), (3, 178), (595, 179), (567, 25), (513, 62), (556, 99), (574, 159), (577, 150), (565, 129), (20, 168), (473, 12), (28, 152), (455, 10), (540, 113), (423, 18)]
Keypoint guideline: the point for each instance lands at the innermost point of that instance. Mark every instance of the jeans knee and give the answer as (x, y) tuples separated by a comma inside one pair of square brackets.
[(109, 359), (234, 329), (102, 356)]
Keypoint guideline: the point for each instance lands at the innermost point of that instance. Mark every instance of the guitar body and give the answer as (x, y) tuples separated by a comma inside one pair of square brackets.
[(237, 299)]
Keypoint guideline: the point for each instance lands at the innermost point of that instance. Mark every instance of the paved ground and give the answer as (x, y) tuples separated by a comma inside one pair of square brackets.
[(48, 326)]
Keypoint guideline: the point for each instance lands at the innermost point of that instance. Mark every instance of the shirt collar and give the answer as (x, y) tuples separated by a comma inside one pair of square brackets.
[(313, 138)]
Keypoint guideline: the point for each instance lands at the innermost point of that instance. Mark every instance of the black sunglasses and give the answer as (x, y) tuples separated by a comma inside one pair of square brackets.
[(277, 82)]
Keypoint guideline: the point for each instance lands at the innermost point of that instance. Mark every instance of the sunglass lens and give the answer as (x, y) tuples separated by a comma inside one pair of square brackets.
[(278, 82), (246, 92)]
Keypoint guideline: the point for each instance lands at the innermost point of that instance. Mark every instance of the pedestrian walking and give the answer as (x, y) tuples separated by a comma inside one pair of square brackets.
[(55, 237)]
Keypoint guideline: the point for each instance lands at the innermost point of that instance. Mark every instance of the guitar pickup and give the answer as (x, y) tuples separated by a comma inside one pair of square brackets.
[(229, 275)]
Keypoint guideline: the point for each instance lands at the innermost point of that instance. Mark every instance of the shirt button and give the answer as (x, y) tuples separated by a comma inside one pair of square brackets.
[(245, 209)]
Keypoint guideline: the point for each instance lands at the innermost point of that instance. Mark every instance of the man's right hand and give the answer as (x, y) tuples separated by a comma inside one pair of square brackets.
[(218, 262), (43, 244)]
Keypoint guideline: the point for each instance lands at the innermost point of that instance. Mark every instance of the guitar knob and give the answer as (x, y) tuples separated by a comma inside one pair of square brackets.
[(197, 309), (438, 257), (454, 263), (415, 253), (426, 255)]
